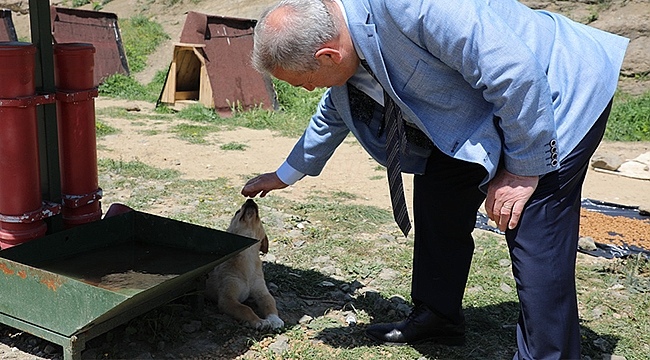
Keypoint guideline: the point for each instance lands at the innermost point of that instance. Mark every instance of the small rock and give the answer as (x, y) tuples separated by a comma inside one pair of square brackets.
[(351, 320), (298, 243), (617, 287), (602, 344), (33, 342), (387, 274), (329, 270), (504, 262), (345, 288), (387, 237), (305, 319), (587, 243), (597, 312), (192, 326), (606, 161), (281, 345), (505, 288), (49, 349)]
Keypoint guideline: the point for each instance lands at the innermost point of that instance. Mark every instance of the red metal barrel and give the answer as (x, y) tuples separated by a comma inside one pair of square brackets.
[(20, 191), (75, 107)]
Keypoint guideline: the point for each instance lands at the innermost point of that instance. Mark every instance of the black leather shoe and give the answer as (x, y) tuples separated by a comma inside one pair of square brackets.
[(422, 325)]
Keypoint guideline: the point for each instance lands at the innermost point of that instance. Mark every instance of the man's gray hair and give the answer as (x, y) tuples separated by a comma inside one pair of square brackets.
[(307, 25)]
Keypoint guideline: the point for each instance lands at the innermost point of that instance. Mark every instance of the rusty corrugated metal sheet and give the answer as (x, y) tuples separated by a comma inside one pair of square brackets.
[(228, 46), (7, 29), (93, 27)]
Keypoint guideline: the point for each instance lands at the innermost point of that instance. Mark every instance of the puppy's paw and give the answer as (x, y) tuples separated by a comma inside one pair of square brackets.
[(275, 321), (272, 322)]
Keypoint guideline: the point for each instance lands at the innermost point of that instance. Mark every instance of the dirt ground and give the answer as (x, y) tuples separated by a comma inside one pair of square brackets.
[(350, 170)]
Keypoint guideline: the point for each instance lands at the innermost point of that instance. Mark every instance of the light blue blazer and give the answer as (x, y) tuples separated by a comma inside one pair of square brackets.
[(488, 81)]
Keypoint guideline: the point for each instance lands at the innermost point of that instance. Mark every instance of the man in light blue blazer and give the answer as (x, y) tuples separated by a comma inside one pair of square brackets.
[(500, 104)]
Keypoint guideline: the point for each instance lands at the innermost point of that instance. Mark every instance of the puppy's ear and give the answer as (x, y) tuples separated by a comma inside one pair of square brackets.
[(264, 248)]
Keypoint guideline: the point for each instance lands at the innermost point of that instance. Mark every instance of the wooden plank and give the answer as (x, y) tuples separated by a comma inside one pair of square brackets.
[(187, 95)]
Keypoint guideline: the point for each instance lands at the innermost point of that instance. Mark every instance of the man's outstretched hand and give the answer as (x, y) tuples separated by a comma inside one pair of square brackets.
[(507, 195), (262, 184)]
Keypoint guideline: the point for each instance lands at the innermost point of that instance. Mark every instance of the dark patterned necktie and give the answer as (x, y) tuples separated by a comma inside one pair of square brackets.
[(395, 141)]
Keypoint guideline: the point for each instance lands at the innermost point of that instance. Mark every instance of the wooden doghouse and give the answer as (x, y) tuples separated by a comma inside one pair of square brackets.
[(188, 80), (211, 66)]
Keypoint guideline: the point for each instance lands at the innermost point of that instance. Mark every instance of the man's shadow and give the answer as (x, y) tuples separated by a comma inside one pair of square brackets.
[(490, 332)]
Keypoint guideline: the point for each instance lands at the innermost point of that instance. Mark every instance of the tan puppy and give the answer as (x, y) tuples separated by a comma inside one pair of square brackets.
[(241, 277)]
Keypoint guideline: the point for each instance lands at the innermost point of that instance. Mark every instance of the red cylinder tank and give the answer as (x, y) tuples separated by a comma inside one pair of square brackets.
[(21, 205), (74, 81)]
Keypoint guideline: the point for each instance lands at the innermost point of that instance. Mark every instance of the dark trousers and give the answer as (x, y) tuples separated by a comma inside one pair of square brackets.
[(542, 247)]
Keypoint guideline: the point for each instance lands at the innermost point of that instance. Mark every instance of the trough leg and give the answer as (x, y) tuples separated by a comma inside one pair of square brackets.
[(72, 350)]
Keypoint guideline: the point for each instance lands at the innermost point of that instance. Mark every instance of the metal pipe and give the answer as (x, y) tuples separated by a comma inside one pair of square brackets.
[(75, 107), (21, 207)]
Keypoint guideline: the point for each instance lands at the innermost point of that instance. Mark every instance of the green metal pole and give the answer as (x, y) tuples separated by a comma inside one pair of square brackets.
[(41, 30)]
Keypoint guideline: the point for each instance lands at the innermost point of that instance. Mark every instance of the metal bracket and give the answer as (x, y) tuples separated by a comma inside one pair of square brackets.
[(76, 96), (48, 209), (28, 101), (75, 201)]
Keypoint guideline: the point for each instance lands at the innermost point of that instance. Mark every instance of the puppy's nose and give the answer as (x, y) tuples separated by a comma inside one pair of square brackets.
[(250, 203)]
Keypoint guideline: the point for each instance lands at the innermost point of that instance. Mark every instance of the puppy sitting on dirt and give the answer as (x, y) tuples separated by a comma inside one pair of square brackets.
[(241, 277)]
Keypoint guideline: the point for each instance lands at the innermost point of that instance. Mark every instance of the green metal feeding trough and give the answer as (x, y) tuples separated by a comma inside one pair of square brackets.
[(74, 285)]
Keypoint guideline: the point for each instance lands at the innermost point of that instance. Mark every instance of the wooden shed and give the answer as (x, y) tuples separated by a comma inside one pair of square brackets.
[(93, 27), (211, 66)]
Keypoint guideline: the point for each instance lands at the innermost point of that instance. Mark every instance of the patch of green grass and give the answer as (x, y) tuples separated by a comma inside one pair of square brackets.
[(353, 218), (150, 132), (233, 146), (140, 37), (630, 118), (199, 113), (194, 134), (615, 298), (126, 87), (102, 129), (136, 170)]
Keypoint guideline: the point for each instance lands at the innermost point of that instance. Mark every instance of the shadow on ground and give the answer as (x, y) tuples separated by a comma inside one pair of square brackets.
[(177, 330)]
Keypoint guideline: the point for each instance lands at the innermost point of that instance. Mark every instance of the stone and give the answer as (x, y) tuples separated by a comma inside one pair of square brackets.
[(281, 345), (606, 161), (192, 326), (587, 243)]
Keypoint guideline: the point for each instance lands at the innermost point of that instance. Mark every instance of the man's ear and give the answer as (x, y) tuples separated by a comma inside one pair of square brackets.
[(328, 56)]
